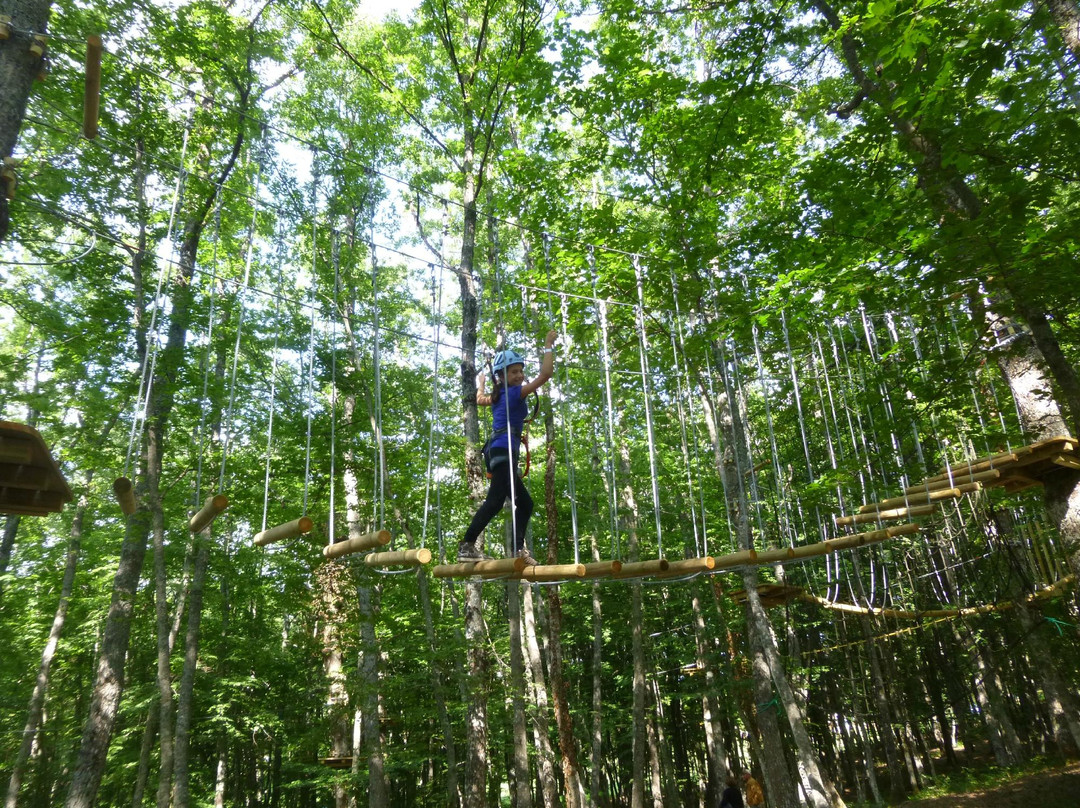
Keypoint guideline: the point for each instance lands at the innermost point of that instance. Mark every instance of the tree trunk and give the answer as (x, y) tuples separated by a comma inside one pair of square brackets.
[(41, 683), (541, 728), (161, 610), (109, 678), (1066, 14), (637, 642), (18, 70), (181, 767), (715, 754), (522, 793), (573, 789), (7, 543)]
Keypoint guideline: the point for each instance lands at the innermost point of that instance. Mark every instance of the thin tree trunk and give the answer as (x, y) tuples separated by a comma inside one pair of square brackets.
[(164, 667), (109, 677), (541, 727), (41, 683), (522, 793), (637, 642), (7, 543), (573, 790), (181, 768), (715, 754)]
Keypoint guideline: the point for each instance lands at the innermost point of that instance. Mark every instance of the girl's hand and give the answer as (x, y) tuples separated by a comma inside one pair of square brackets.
[(550, 340)]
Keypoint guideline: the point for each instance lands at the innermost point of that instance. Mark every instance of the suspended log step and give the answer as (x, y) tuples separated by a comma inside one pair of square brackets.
[(289, 530), (924, 498), (208, 513), (357, 544), (962, 467), (886, 515), (494, 567), (989, 476), (739, 559), (31, 483), (124, 492), (399, 558)]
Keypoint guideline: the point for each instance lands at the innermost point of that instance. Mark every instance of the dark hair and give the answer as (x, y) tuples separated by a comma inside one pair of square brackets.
[(497, 384)]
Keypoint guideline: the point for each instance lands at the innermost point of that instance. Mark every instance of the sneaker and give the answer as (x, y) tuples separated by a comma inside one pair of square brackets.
[(467, 553), (527, 557)]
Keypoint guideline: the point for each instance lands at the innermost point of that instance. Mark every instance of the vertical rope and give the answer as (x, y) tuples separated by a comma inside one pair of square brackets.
[(205, 403), (142, 399), (273, 383), (558, 394), (240, 297), (643, 342), (380, 460), (330, 530), (436, 325), (678, 346), (609, 436), (310, 397)]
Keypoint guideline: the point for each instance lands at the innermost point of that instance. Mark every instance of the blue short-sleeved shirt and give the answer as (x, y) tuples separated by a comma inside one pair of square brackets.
[(518, 408)]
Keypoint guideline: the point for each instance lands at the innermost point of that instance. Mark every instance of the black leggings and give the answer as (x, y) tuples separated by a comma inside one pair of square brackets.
[(498, 493)]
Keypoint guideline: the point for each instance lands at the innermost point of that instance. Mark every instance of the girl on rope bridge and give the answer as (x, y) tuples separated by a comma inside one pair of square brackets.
[(509, 406)]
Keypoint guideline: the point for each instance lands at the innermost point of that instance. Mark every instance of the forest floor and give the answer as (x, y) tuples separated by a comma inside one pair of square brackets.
[(1057, 787)]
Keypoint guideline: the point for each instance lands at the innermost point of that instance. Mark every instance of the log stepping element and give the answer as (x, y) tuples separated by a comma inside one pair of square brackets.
[(1014, 471), (31, 483)]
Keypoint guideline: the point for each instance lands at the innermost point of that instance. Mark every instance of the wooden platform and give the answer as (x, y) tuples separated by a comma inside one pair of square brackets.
[(1014, 471), (31, 483), (337, 762), (771, 594)]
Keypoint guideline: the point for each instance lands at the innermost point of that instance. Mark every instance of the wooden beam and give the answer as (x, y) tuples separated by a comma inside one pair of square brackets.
[(402, 558), (124, 492), (501, 566), (602, 569), (20, 475), (213, 506), (639, 569), (886, 515), (369, 541), (289, 530), (957, 480), (1068, 461)]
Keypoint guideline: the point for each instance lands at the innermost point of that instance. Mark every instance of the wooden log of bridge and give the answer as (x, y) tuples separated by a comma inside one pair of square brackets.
[(500, 566), (602, 569), (369, 541), (289, 530), (957, 480), (211, 508), (689, 566), (738, 559), (399, 558), (92, 89), (774, 555), (552, 572), (922, 499), (891, 513), (124, 492), (639, 569), (975, 466)]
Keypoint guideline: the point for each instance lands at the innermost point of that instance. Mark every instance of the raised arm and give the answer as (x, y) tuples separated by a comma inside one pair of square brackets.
[(547, 367), (482, 397)]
